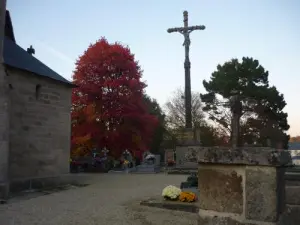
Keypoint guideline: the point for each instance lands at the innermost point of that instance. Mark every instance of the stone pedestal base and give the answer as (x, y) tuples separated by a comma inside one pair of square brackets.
[(181, 161), (188, 136), (240, 186), (239, 194), (187, 142)]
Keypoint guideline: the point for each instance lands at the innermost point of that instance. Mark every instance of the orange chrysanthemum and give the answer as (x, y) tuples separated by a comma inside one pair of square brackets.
[(187, 197)]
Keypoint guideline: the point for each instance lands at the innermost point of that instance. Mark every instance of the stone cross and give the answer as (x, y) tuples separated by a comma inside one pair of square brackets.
[(236, 110), (31, 50), (185, 31)]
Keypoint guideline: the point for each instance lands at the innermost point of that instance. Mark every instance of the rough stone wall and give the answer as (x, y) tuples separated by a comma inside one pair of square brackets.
[(39, 126), (4, 110), (181, 161), (4, 131), (238, 194)]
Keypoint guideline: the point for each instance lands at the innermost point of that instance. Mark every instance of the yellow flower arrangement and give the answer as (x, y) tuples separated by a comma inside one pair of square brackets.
[(187, 197)]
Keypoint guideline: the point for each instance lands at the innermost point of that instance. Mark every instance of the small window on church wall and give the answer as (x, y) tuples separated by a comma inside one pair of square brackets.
[(37, 91)]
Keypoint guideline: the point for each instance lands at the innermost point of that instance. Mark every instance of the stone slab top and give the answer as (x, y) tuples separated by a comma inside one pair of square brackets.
[(263, 156), (159, 202)]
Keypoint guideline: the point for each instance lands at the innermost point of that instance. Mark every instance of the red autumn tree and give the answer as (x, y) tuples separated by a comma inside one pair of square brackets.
[(107, 106)]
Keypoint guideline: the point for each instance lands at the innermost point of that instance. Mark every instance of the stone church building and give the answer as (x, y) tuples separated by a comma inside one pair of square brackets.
[(35, 122)]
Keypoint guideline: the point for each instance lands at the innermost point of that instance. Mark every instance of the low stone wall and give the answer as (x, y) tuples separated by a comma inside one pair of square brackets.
[(180, 157)]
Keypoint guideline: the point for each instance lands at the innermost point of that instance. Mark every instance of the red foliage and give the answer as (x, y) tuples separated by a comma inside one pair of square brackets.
[(108, 108)]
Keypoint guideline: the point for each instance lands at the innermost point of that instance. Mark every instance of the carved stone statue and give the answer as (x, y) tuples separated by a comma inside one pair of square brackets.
[(186, 44), (187, 40)]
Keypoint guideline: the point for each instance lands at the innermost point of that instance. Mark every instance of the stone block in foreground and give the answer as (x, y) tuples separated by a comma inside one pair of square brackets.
[(159, 202), (240, 186)]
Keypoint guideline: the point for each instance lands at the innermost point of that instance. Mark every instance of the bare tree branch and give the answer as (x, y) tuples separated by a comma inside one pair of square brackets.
[(175, 109)]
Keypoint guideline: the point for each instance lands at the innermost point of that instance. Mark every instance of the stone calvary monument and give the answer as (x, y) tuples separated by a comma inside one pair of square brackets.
[(185, 31), (188, 137)]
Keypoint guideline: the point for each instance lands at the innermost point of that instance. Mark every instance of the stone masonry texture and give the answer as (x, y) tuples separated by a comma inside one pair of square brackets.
[(246, 187), (221, 189), (4, 128), (4, 112), (39, 126), (220, 221), (261, 193), (245, 156), (180, 157)]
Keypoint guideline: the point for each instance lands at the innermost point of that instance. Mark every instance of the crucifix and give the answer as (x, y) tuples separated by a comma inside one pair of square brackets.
[(185, 31)]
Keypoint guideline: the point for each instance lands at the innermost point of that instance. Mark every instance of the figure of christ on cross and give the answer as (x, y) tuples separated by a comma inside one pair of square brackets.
[(185, 31)]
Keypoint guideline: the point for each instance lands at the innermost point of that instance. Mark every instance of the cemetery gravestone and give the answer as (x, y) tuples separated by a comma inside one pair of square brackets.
[(150, 164), (127, 165), (191, 185), (145, 154), (169, 157)]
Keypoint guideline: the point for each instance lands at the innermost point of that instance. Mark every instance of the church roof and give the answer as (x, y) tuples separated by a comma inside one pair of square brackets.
[(9, 31), (17, 57)]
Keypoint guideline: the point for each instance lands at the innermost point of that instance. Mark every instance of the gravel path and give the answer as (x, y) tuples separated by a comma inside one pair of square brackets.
[(110, 199)]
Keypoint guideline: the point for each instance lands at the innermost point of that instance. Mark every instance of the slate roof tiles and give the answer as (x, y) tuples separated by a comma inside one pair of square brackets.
[(17, 57)]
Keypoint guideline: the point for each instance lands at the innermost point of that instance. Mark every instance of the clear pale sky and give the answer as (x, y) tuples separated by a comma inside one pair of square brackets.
[(268, 30)]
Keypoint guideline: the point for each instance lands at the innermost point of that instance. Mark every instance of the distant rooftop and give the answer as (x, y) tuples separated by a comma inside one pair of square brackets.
[(17, 57)]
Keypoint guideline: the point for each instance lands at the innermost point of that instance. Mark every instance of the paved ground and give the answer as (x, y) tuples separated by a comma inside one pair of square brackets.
[(110, 199)]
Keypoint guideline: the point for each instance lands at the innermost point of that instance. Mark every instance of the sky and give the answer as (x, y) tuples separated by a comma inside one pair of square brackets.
[(268, 30)]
